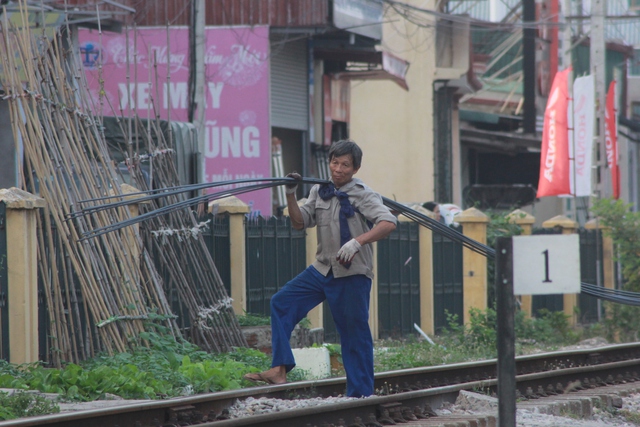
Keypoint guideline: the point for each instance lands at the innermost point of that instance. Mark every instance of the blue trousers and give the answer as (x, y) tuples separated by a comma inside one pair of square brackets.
[(348, 299)]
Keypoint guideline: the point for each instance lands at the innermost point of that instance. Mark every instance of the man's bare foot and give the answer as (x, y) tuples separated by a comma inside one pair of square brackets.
[(276, 375)]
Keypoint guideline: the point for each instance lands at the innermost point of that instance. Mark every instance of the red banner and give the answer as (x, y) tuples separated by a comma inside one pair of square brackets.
[(554, 157), (611, 138)]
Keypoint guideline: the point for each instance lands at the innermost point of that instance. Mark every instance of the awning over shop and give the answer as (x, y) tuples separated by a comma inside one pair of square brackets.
[(391, 68), (504, 142)]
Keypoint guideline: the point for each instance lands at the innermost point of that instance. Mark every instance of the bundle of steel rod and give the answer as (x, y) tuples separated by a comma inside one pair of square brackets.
[(100, 295), (613, 295), (175, 243), (64, 162), (170, 192)]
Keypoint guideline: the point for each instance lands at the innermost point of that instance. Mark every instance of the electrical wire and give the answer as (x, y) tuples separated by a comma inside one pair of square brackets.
[(613, 295)]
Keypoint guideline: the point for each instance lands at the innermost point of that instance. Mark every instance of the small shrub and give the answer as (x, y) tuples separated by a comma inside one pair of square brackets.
[(21, 404)]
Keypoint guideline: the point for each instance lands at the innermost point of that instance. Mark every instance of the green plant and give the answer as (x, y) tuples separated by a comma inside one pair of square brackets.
[(623, 226), (21, 404), (164, 369), (305, 323), (249, 319), (334, 349)]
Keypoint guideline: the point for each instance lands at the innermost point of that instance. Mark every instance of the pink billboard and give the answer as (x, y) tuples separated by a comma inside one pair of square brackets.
[(146, 72)]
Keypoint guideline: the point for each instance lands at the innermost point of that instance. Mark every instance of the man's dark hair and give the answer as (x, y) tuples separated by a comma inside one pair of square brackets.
[(344, 147), (429, 205)]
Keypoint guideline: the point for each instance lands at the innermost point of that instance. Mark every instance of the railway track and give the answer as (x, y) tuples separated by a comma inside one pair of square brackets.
[(398, 393)]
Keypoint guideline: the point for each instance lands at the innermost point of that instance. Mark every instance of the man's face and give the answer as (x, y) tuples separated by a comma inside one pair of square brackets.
[(342, 170)]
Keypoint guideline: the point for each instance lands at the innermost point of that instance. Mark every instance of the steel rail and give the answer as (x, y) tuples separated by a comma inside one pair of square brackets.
[(411, 387)]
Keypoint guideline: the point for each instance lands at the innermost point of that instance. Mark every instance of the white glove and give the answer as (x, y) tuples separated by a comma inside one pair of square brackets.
[(291, 188), (348, 251)]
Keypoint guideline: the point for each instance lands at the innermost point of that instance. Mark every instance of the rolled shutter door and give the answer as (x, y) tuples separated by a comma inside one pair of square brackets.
[(289, 86)]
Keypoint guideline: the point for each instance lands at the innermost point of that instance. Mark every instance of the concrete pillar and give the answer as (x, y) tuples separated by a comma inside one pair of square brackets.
[(525, 221), (608, 261), (425, 245), (22, 273), (237, 210), (132, 193), (568, 227), (474, 274)]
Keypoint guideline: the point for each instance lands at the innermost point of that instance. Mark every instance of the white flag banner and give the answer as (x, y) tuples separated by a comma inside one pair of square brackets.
[(581, 149)]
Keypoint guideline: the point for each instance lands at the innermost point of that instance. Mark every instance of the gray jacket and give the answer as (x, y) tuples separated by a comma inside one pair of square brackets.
[(325, 214)]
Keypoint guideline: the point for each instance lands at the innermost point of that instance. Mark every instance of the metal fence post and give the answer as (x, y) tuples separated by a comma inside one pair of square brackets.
[(525, 221), (237, 210), (20, 266), (474, 225), (570, 301)]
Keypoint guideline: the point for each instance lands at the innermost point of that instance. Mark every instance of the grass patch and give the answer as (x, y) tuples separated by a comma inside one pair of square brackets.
[(169, 368), (476, 341), (629, 416)]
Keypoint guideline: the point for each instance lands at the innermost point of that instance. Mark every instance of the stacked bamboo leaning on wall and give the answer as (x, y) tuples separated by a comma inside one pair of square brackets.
[(100, 294)]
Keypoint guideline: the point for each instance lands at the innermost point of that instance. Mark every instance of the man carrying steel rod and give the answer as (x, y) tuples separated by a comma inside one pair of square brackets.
[(349, 217)]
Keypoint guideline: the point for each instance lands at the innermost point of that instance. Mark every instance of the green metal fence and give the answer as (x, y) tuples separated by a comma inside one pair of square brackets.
[(447, 281), (398, 264), (218, 241), (68, 295), (4, 285), (399, 281), (275, 253), (590, 272)]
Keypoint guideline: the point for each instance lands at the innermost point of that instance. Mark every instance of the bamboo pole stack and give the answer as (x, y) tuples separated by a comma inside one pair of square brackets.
[(176, 242), (102, 293)]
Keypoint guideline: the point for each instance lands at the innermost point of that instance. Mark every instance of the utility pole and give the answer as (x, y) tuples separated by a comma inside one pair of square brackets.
[(529, 66), (567, 61), (197, 111), (598, 64)]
